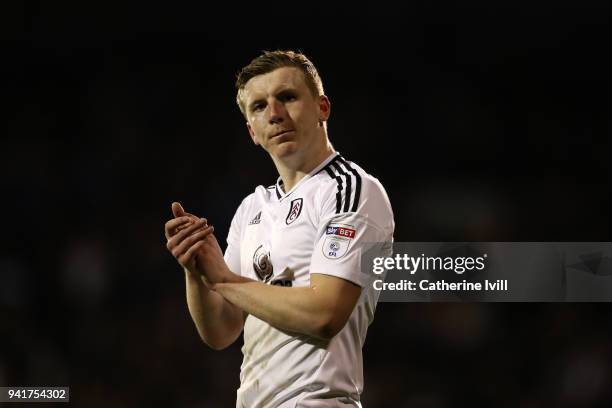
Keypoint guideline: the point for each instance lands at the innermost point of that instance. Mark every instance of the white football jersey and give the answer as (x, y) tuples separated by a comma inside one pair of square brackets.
[(323, 225)]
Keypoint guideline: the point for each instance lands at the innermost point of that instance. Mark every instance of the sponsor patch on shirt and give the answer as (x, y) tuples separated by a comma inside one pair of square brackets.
[(338, 239), (341, 231), (262, 264)]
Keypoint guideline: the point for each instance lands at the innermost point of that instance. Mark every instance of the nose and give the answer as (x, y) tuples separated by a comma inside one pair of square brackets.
[(277, 112)]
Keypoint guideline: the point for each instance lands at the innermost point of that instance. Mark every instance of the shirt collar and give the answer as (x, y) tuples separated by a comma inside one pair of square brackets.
[(279, 182)]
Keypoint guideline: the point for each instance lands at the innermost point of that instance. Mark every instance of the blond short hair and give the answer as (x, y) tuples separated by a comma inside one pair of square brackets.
[(272, 60)]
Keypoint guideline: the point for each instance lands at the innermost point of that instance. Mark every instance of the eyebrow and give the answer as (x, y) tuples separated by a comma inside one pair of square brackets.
[(255, 102), (281, 91)]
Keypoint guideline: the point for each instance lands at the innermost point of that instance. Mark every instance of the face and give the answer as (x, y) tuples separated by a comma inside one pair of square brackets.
[(283, 116)]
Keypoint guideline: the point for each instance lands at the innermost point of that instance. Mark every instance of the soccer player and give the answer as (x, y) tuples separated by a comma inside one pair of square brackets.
[(291, 276)]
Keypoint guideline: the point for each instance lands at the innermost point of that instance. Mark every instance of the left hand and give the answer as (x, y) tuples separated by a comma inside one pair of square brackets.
[(211, 261), (209, 256)]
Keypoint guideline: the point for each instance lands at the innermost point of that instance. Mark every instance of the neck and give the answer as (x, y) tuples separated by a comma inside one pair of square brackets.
[(294, 168)]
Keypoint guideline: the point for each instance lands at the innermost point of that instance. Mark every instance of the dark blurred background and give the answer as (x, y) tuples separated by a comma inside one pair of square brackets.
[(483, 122)]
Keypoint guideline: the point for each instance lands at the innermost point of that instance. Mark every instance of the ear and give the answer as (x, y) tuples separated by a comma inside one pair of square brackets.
[(252, 134), (324, 108)]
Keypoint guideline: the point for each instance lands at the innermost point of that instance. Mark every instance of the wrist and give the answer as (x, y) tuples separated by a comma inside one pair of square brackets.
[(193, 277), (229, 277)]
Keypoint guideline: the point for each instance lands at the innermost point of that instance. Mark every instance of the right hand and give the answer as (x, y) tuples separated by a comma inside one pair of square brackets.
[(185, 234)]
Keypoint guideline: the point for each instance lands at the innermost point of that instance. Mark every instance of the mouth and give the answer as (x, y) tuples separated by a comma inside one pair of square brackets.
[(282, 133)]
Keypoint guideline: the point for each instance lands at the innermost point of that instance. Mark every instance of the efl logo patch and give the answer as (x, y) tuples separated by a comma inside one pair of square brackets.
[(294, 211), (335, 247)]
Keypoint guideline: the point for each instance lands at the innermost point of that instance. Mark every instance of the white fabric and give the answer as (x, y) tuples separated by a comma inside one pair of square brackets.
[(329, 229)]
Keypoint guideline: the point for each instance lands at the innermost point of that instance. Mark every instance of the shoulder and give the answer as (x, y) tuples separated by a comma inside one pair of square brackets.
[(349, 193), (261, 195), (343, 177), (371, 187)]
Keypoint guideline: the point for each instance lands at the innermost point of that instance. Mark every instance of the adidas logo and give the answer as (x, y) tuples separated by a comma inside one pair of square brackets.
[(256, 219)]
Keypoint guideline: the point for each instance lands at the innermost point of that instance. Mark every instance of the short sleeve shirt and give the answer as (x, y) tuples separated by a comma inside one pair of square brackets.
[(322, 225)]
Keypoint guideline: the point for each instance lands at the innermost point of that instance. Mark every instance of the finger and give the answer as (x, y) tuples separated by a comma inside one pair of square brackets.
[(190, 214), (180, 235), (189, 229), (189, 254), (177, 209), (190, 240), (171, 226), (186, 231), (195, 219)]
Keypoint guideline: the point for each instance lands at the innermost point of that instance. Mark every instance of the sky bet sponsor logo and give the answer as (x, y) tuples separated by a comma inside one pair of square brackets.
[(341, 231)]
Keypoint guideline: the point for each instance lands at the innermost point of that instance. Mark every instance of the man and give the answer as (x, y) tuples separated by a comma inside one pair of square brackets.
[(291, 276)]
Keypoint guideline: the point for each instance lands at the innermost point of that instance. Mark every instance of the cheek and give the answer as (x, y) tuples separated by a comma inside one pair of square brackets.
[(256, 126), (256, 138), (300, 113), (260, 137)]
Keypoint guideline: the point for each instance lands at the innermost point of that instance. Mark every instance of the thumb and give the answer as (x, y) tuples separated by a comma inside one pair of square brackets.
[(177, 210)]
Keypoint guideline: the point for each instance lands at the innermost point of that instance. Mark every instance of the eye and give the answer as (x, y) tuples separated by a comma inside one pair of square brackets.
[(257, 107), (287, 97)]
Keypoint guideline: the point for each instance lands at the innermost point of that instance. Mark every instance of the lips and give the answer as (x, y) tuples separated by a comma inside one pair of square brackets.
[(282, 132)]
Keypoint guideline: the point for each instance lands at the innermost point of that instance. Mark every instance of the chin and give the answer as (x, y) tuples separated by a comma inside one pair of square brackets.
[(285, 149)]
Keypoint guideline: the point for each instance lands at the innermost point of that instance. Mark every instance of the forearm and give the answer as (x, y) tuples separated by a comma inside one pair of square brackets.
[(218, 322), (302, 310)]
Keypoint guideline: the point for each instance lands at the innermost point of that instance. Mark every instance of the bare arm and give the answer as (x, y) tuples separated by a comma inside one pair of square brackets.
[(217, 297), (219, 323), (320, 310)]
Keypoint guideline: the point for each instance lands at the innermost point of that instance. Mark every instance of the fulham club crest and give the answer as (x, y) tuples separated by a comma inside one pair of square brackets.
[(294, 211)]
